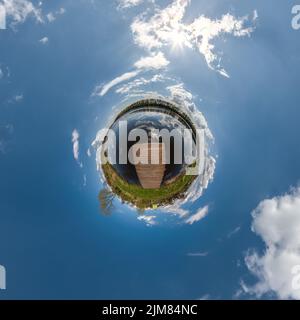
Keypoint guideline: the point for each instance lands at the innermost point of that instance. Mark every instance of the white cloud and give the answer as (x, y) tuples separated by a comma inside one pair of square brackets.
[(176, 208), (166, 28), (20, 10), (75, 141), (132, 86), (88, 152), (233, 232), (4, 72), (255, 15), (277, 221), (149, 220), (205, 297), (201, 213), (179, 93), (61, 11), (44, 40), (2, 17), (18, 97), (156, 61), (162, 27), (103, 89), (124, 4), (50, 16)]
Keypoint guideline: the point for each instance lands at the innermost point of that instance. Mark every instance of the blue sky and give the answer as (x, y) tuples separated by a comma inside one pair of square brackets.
[(54, 241)]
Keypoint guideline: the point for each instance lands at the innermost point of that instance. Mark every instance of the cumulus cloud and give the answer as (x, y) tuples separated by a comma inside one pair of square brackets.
[(156, 61), (277, 222), (166, 28), (75, 141), (199, 215), (44, 40), (19, 10)]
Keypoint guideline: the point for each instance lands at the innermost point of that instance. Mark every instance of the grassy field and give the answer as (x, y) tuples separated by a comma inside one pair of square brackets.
[(146, 198)]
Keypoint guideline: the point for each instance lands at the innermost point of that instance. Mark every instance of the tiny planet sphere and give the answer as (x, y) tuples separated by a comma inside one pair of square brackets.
[(145, 164)]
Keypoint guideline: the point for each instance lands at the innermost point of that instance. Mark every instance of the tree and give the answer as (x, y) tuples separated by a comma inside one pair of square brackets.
[(140, 211), (106, 198)]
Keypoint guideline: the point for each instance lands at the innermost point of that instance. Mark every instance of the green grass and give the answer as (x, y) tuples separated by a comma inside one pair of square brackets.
[(146, 198)]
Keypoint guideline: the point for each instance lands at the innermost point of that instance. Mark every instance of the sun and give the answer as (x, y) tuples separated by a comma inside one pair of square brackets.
[(177, 39)]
